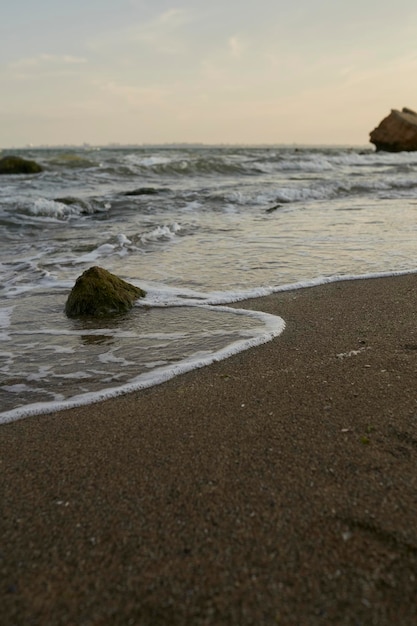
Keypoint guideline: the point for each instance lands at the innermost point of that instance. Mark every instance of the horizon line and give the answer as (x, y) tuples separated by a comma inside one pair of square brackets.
[(116, 145)]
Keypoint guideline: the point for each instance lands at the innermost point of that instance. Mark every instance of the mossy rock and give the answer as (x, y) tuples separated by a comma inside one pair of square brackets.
[(142, 191), (98, 293), (17, 165)]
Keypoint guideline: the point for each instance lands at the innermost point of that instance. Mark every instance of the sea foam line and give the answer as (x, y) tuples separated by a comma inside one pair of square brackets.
[(274, 326), (215, 298)]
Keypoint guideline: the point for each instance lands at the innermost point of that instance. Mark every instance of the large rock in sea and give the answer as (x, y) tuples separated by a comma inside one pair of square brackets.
[(17, 165), (397, 132), (98, 293)]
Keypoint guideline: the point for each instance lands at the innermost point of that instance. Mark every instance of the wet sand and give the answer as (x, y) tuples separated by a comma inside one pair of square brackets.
[(276, 487)]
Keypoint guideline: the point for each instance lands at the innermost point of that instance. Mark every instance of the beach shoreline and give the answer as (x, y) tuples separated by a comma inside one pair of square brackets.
[(276, 486)]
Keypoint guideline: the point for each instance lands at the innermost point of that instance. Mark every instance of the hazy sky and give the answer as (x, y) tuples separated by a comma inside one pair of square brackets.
[(217, 71)]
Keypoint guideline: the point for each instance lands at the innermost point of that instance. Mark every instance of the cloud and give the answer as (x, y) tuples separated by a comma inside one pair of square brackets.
[(135, 96), (236, 47), (173, 17), (44, 66), (166, 25), (43, 60), (163, 34)]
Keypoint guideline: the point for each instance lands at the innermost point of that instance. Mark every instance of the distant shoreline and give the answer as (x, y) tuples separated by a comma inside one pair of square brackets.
[(163, 146)]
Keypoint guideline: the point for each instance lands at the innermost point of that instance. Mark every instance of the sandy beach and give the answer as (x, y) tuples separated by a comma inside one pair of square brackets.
[(276, 487)]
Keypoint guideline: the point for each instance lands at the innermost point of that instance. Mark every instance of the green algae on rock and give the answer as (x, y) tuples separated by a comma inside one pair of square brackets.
[(98, 293), (17, 165)]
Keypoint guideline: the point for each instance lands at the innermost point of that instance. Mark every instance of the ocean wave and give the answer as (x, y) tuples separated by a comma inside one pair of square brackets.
[(190, 165), (43, 210), (161, 233), (53, 209), (120, 245), (69, 160)]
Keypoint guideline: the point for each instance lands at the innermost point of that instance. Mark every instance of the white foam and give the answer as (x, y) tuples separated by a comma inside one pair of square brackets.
[(192, 206), (6, 355), (123, 240), (308, 163), (165, 232), (172, 297), (5, 322), (298, 194), (17, 388), (55, 211), (106, 249), (43, 372), (155, 364), (25, 275), (73, 376), (149, 161), (60, 349), (237, 296), (110, 357), (105, 332)]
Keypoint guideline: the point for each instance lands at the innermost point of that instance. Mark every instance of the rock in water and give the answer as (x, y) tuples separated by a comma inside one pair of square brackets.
[(17, 165), (397, 132), (142, 191), (98, 293)]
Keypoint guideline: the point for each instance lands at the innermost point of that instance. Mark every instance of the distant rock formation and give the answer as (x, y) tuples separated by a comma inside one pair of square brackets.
[(17, 165), (397, 132), (98, 293)]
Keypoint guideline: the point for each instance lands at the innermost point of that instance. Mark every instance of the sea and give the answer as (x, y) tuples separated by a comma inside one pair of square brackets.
[(197, 227)]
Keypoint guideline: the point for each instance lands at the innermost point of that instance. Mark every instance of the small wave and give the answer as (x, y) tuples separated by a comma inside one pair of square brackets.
[(42, 207), (299, 194), (82, 206), (149, 161), (44, 210), (281, 194), (24, 275), (161, 233), (396, 183), (121, 245), (191, 165), (295, 164), (105, 250), (70, 160)]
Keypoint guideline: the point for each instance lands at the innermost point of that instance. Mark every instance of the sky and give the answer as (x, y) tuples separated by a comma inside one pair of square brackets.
[(194, 71)]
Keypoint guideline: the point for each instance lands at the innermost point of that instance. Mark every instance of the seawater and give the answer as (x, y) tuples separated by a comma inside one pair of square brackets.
[(197, 227)]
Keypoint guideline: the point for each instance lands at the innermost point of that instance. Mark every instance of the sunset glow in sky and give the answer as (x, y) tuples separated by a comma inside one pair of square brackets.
[(229, 71)]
